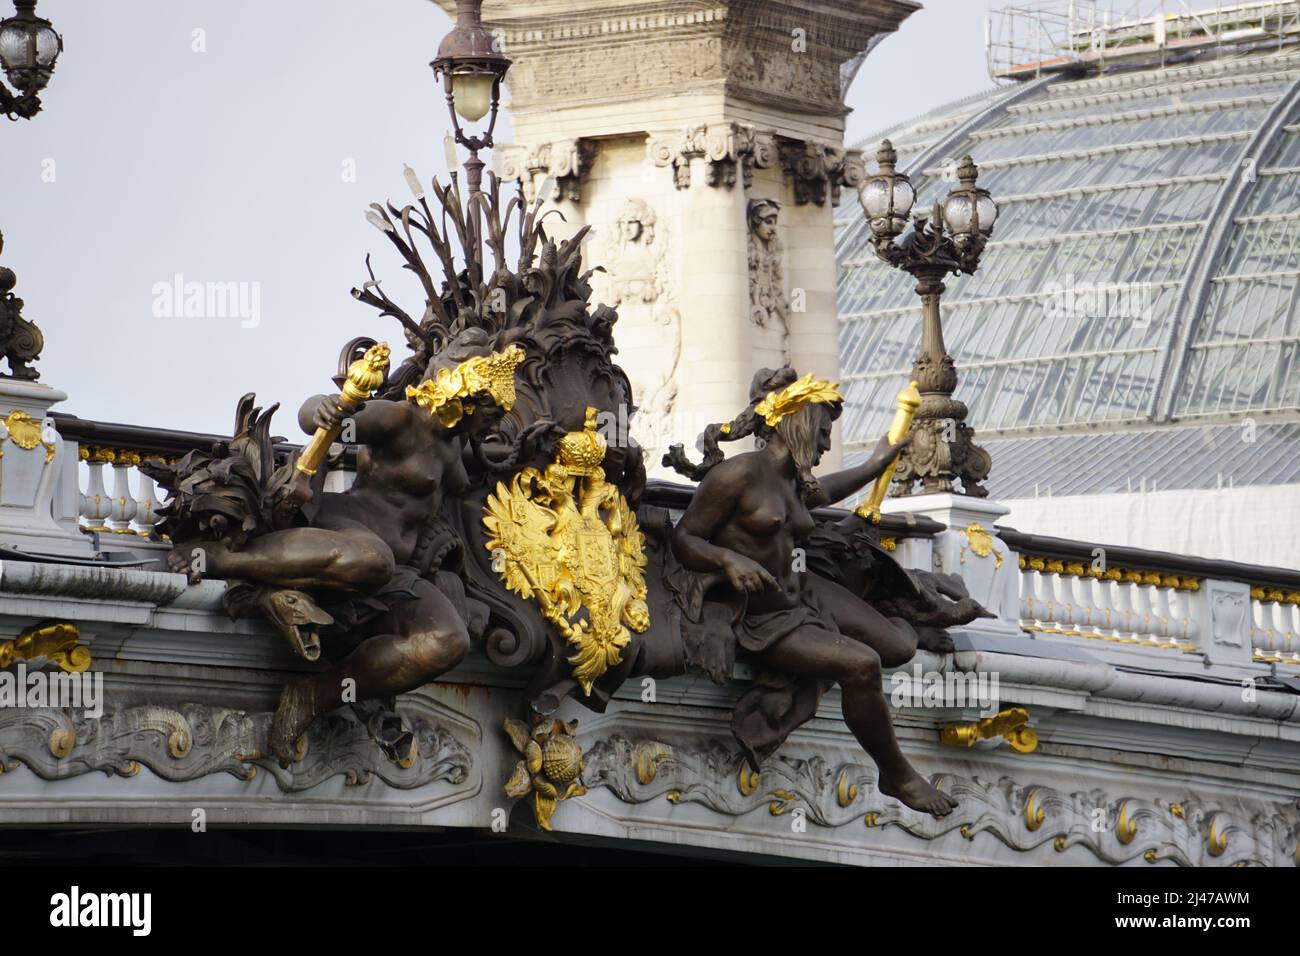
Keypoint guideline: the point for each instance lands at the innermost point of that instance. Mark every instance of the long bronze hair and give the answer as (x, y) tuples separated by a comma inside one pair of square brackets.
[(797, 430)]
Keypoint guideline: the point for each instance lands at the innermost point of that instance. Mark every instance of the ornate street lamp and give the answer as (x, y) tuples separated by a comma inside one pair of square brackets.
[(472, 68), (949, 238), (29, 48)]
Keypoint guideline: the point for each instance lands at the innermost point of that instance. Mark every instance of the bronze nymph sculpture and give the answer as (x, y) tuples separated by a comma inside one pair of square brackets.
[(493, 503), (742, 534), (364, 554)]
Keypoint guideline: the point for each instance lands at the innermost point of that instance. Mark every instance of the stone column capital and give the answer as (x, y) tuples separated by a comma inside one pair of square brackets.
[(567, 160), (821, 169), (728, 148)]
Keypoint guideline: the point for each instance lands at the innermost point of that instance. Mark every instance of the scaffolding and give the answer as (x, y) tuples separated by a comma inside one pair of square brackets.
[(1027, 40)]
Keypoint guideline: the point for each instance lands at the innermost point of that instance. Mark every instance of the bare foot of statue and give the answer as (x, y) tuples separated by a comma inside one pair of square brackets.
[(915, 791), (292, 718), (195, 559)]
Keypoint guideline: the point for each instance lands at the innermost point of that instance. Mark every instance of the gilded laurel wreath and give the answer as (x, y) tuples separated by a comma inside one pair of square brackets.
[(445, 394), (798, 394)]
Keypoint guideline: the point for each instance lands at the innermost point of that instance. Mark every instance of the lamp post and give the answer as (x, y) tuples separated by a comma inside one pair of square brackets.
[(472, 67), (948, 239), (29, 48)]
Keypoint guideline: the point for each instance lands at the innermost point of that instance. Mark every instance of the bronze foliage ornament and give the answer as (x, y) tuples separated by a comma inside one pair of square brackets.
[(21, 340)]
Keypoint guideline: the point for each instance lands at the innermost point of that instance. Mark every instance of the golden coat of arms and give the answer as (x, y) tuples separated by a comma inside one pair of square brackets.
[(567, 539)]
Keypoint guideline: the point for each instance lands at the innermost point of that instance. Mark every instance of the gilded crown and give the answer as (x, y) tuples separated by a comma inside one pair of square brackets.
[(584, 449)]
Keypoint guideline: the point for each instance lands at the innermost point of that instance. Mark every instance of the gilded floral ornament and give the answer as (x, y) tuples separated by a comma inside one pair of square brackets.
[(797, 395), (444, 394), (571, 543), (551, 768)]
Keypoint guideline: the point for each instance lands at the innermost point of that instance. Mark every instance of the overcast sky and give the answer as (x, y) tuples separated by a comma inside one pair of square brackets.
[(241, 141)]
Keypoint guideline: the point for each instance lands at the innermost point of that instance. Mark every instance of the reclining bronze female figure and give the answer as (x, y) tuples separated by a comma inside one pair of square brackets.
[(743, 533)]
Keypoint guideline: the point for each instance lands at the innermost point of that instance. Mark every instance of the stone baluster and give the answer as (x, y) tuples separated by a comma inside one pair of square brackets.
[(1044, 596), (1288, 627), (1087, 600), (1161, 612), (1182, 615), (1280, 634), (1272, 612), (1031, 591), (95, 503), (1128, 613), (123, 507), (1052, 603), (1257, 635), (1108, 587), (1060, 605), (147, 505), (1291, 635), (1144, 612), (1262, 633)]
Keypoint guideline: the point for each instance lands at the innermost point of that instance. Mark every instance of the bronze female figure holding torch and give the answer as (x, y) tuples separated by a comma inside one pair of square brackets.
[(742, 529)]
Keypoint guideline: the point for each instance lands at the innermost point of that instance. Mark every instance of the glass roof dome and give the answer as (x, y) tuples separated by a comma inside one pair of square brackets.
[(1143, 275)]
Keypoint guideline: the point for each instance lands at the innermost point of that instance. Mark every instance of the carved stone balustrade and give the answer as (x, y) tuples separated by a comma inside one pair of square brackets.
[(1236, 619), (1275, 625), (1098, 654)]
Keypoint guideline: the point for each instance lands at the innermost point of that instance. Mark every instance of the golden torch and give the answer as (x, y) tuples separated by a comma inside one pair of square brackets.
[(364, 376), (909, 400)]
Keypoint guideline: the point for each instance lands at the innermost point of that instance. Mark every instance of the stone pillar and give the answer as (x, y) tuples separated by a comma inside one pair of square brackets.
[(38, 476), (971, 549), (662, 126)]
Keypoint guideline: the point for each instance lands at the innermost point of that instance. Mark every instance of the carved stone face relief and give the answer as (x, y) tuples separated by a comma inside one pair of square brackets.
[(636, 261), (768, 305), (634, 250)]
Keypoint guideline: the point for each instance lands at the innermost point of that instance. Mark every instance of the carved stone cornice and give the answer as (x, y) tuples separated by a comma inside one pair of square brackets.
[(796, 53), (821, 169), (1114, 827), (568, 160), (190, 741), (728, 148)]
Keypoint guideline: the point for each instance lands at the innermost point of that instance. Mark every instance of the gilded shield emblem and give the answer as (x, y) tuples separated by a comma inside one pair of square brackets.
[(571, 543)]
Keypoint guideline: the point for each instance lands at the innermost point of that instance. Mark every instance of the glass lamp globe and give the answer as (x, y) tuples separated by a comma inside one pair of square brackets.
[(888, 196), (29, 48), (969, 209), (472, 93)]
